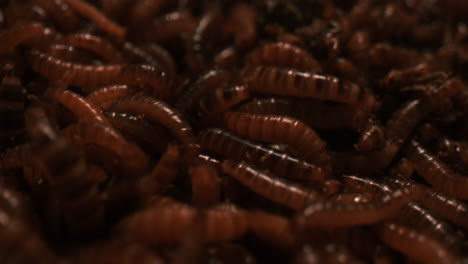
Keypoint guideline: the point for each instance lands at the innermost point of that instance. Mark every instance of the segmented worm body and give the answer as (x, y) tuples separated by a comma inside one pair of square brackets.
[(372, 137), (278, 190), (106, 96), (283, 55), (60, 12), (271, 228), (288, 82), (95, 44), (282, 129), (167, 27), (206, 184), (19, 34), (230, 146), (222, 99)]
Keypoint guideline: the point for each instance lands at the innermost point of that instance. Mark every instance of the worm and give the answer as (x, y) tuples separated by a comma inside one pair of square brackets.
[(206, 82), (403, 169), (152, 76), (69, 53), (228, 145), (106, 96), (435, 172), (64, 17), (350, 198), (136, 128), (21, 14), (118, 251), (80, 106), (133, 159), (372, 137), (242, 23), (271, 228), (19, 34), (226, 58), (283, 55), (273, 188), (281, 129), (84, 75), (289, 82), (167, 27), (206, 184), (12, 101), (400, 78), (160, 112), (98, 45), (161, 55), (167, 224), (93, 14), (314, 113), (365, 185), (163, 174), (331, 214), (220, 100), (226, 252), (328, 253), (142, 11), (414, 244)]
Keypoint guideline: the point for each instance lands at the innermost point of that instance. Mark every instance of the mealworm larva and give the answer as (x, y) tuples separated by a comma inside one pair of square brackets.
[(365, 185), (405, 120), (283, 55), (242, 23), (328, 253), (332, 214), (95, 133), (435, 172), (87, 10), (167, 224), (364, 163), (350, 198), (80, 106), (401, 78), (163, 57), (69, 53), (314, 113), (116, 8), (163, 174), (226, 58), (228, 145), (19, 34), (289, 82), (12, 100), (414, 244), (22, 13), (372, 137), (152, 76), (276, 189), (206, 184), (160, 112), (148, 136), (207, 81), (60, 12), (271, 228), (106, 96), (142, 11), (85, 76), (403, 169), (95, 44), (220, 100), (281, 129)]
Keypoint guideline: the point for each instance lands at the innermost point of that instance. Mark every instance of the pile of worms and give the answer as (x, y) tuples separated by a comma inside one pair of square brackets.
[(254, 131)]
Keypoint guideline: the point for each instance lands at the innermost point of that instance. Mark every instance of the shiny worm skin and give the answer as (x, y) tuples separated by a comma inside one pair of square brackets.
[(106, 96), (232, 147), (96, 44), (273, 188)]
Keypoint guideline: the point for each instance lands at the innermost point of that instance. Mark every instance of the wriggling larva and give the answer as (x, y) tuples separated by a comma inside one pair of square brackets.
[(19, 34), (281, 129), (167, 27), (95, 133), (63, 16), (314, 113), (221, 99), (152, 76), (143, 11), (97, 17), (106, 96), (372, 137), (332, 214), (168, 223), (230, 146), (276, 189), (243, 22), (84, 75), (163, 174), (435, 172), (271, 228), (289, 82), (206, 184), (95, 44), (405, 120), (80, 106), (160, 112), (283, 55), (414, 244)]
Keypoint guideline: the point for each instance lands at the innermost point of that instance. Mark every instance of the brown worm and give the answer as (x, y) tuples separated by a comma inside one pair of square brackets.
[(106, 96), (220, 100), (414, 244), (230, 146), (19, 34), (289, 82), (60, 12), (163, 57), (92, 13), (242, 22), (142, 11), (206, 184), (278, 190), (281, 129), (372, 137), (271, 228), (159, 112), (283, 55), (98, 45), (167, 27), (145, 75), (330, 214), (435, 172)]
